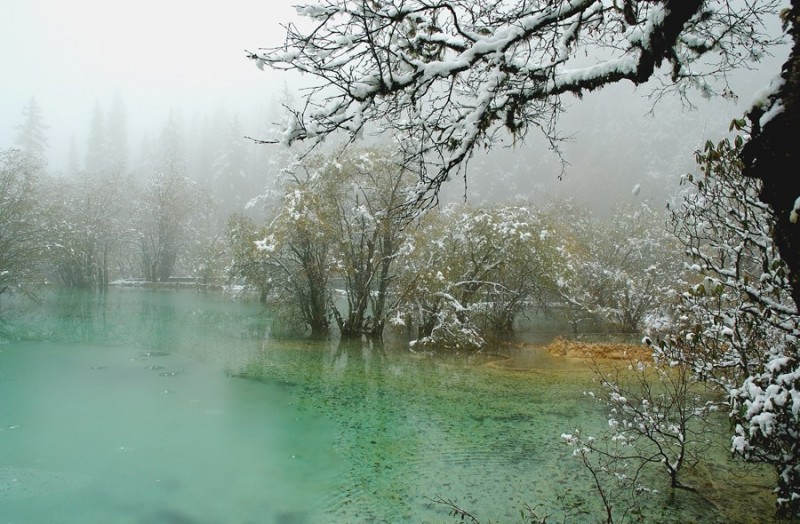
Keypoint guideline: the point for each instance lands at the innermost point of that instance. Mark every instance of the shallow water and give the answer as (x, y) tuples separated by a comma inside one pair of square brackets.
[(130, 407)]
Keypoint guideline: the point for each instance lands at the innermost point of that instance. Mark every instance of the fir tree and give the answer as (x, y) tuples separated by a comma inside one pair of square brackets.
[(31, 137)]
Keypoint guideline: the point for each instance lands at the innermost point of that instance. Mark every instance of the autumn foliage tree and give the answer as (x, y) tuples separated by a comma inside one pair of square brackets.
[(364, 190), (337, 220), (295, 255)]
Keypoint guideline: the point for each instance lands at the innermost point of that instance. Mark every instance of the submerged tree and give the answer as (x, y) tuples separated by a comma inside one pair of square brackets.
[(294, 256), (468, 272), (166, 222), (365, 190), (614, 273), (337, 221), (657, 416), (85, 218), (247, 264), (656, 424), (22, 240)]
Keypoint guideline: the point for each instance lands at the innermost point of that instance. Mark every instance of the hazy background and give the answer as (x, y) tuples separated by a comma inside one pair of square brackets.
[(188, 58), (156, 55)]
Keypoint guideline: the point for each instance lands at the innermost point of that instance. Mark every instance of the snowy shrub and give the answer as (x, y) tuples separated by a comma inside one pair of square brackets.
[(737, 324)]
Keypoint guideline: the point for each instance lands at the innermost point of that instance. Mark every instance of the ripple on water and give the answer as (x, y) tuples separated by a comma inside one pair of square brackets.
[(482, 430), (21, 483), (155, 354)]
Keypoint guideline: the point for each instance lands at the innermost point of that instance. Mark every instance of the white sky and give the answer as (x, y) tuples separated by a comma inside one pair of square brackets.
[(189, 56), (158, 54)]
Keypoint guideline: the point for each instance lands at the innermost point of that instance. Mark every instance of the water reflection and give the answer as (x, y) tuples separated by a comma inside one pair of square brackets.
[(397, 428)]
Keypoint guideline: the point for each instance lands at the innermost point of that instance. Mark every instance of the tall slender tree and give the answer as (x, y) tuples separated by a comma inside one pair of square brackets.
[(97, 160), (73, 161), (230, 168), (171, 148), (31, 137), (117, 135)]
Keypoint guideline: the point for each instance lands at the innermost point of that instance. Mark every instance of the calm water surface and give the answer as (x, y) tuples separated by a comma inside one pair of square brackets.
[(172, 406)]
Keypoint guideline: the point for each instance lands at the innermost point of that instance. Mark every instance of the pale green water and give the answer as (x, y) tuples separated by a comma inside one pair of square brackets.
[(124, 408)]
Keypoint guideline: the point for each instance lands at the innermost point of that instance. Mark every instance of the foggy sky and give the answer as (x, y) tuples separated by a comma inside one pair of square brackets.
[(185, 56), (157, 54)]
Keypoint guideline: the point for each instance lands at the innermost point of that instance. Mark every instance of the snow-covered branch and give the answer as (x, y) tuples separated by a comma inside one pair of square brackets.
[(445, 77)]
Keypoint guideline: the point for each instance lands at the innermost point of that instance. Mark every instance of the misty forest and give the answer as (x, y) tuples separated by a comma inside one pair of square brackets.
[(516, 261)]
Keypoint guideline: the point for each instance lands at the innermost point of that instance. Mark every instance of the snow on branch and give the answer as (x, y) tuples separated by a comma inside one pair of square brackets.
[(446, 76)]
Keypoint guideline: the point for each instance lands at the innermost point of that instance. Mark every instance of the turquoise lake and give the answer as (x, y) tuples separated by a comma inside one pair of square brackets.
[(173, 406)]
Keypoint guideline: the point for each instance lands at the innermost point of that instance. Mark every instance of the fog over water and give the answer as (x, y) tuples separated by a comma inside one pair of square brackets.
[(188, 59)]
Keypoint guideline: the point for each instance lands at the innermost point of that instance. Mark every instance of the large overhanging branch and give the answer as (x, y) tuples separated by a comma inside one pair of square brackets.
[(443, 77)]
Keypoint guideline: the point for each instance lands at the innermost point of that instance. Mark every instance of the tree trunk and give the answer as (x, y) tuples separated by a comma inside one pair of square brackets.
[(772, 156)]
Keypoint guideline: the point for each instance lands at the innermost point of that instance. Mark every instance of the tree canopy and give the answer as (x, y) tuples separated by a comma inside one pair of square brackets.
[(446, 77)]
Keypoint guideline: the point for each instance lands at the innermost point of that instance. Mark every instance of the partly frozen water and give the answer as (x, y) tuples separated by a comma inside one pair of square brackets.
[(177, 407)]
